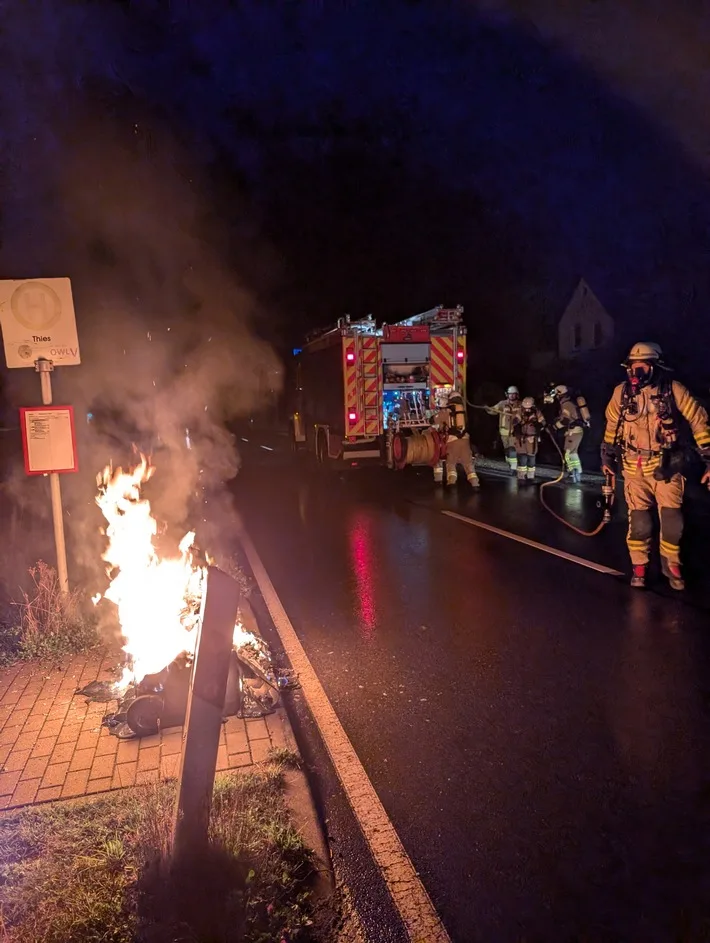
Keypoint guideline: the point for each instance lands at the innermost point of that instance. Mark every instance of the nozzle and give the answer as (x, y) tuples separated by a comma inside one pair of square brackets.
[(608, 495)]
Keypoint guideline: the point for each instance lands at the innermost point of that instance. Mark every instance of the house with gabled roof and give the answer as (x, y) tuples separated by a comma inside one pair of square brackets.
[(585, 325)]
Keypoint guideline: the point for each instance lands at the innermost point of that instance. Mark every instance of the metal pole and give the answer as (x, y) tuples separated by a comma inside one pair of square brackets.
[(205, 706), (44, 368)]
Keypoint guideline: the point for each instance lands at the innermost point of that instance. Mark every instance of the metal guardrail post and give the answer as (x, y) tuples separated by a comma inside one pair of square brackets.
[(203, 720)]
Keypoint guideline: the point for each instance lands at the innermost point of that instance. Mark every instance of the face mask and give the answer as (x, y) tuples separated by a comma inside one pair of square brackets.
[(639, 375)]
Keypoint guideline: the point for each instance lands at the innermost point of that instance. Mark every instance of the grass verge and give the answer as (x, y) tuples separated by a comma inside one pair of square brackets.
[(97, 871), (46, 624)]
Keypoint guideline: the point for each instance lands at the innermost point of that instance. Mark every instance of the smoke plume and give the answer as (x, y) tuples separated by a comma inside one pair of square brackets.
[(167, 330)]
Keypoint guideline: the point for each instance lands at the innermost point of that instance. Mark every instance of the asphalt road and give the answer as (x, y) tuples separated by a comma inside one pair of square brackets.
[(538, 732)]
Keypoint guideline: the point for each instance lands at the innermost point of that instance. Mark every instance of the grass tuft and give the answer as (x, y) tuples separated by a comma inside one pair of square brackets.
[(50, 623), (285, 758), (98, 871)]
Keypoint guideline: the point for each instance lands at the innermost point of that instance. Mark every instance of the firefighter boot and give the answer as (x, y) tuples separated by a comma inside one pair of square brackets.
[(521, 474), (673, 573), (473, 480), (638, 578), (577, 476), (531, 472)]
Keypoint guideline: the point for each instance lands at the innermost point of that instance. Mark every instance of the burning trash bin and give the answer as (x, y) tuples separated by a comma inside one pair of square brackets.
[(158, 602)]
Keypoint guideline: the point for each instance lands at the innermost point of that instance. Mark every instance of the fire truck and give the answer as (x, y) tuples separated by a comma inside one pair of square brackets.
[(366, 393)]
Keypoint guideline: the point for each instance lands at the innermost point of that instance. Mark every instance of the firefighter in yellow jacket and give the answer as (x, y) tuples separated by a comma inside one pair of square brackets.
[(508, 412), (527, 438), (573, 418), (642, 426), (451, 421)]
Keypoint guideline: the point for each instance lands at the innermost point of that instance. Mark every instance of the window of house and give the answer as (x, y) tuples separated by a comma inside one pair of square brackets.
[(598, 336), (577, 336)]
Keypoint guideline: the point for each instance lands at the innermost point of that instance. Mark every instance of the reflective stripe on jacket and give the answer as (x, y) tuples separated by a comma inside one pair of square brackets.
[(508, 414), (640, 435), (569, 414)]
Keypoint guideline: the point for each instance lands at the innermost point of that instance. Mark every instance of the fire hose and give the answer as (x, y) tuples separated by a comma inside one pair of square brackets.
[(420, 448), (607, 494)]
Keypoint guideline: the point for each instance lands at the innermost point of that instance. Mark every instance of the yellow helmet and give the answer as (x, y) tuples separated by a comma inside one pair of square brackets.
[(645, 351)]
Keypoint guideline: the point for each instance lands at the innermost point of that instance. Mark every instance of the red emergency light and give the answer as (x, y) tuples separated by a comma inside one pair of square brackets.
[(350, 357), (459, 356), (352, 416)]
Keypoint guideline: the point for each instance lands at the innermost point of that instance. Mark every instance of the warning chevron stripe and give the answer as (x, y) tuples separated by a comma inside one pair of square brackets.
[(442, 359), (442, 355)]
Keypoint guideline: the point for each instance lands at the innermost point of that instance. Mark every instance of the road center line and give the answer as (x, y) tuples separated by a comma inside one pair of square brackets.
[(406, 889), (590, 565)]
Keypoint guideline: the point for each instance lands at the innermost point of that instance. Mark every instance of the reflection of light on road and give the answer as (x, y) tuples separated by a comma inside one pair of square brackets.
[(573, 499), (267, 448), (362, 559), (244, 440), (303, 503)]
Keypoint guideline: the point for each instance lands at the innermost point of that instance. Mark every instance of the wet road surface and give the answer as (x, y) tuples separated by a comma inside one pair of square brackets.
[(538, 733)]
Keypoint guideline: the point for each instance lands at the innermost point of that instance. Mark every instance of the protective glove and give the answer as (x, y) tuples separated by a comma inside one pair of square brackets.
[(609, 456)]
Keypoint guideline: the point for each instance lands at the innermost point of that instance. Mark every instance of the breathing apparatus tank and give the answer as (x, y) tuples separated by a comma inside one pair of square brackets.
[(584, 413), (457, 411)]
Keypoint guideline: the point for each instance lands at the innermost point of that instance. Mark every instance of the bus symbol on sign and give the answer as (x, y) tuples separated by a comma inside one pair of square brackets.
[(36, 306)]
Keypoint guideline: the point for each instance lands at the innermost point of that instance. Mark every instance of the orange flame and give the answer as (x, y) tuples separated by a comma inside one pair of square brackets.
[(157, 599)]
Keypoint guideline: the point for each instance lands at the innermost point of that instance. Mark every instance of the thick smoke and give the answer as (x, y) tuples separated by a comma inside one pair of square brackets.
[(166, 328), (169, 353)]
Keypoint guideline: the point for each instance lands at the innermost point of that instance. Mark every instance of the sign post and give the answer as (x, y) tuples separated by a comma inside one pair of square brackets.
[(44, 368), (39, 330)]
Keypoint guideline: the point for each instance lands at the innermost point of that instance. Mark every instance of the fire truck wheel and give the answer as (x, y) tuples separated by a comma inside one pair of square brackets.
[(322, 450)]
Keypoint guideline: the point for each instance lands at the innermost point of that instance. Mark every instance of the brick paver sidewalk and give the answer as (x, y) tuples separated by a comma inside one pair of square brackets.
[(52, 744)]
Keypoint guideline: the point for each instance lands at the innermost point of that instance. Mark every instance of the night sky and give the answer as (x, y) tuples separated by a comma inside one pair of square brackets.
[(385, 157)]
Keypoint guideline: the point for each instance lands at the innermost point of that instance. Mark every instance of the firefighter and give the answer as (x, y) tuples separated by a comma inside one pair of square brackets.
[(642, 429), (573, 418), (458, 444), (440, 421), (527, 438), (508, 412)]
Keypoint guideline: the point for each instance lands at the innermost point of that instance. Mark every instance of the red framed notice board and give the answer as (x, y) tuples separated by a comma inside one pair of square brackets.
[(48, 439)]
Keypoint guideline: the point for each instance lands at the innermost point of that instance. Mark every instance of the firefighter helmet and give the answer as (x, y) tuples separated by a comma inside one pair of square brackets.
[(528, 403), (645, 351), (455, 397), (512, 390), (554, 391)]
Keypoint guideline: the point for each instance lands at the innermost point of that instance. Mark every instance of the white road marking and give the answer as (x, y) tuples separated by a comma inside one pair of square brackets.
[(406, 889), (244, 440), (600, 568), (266, 447)]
